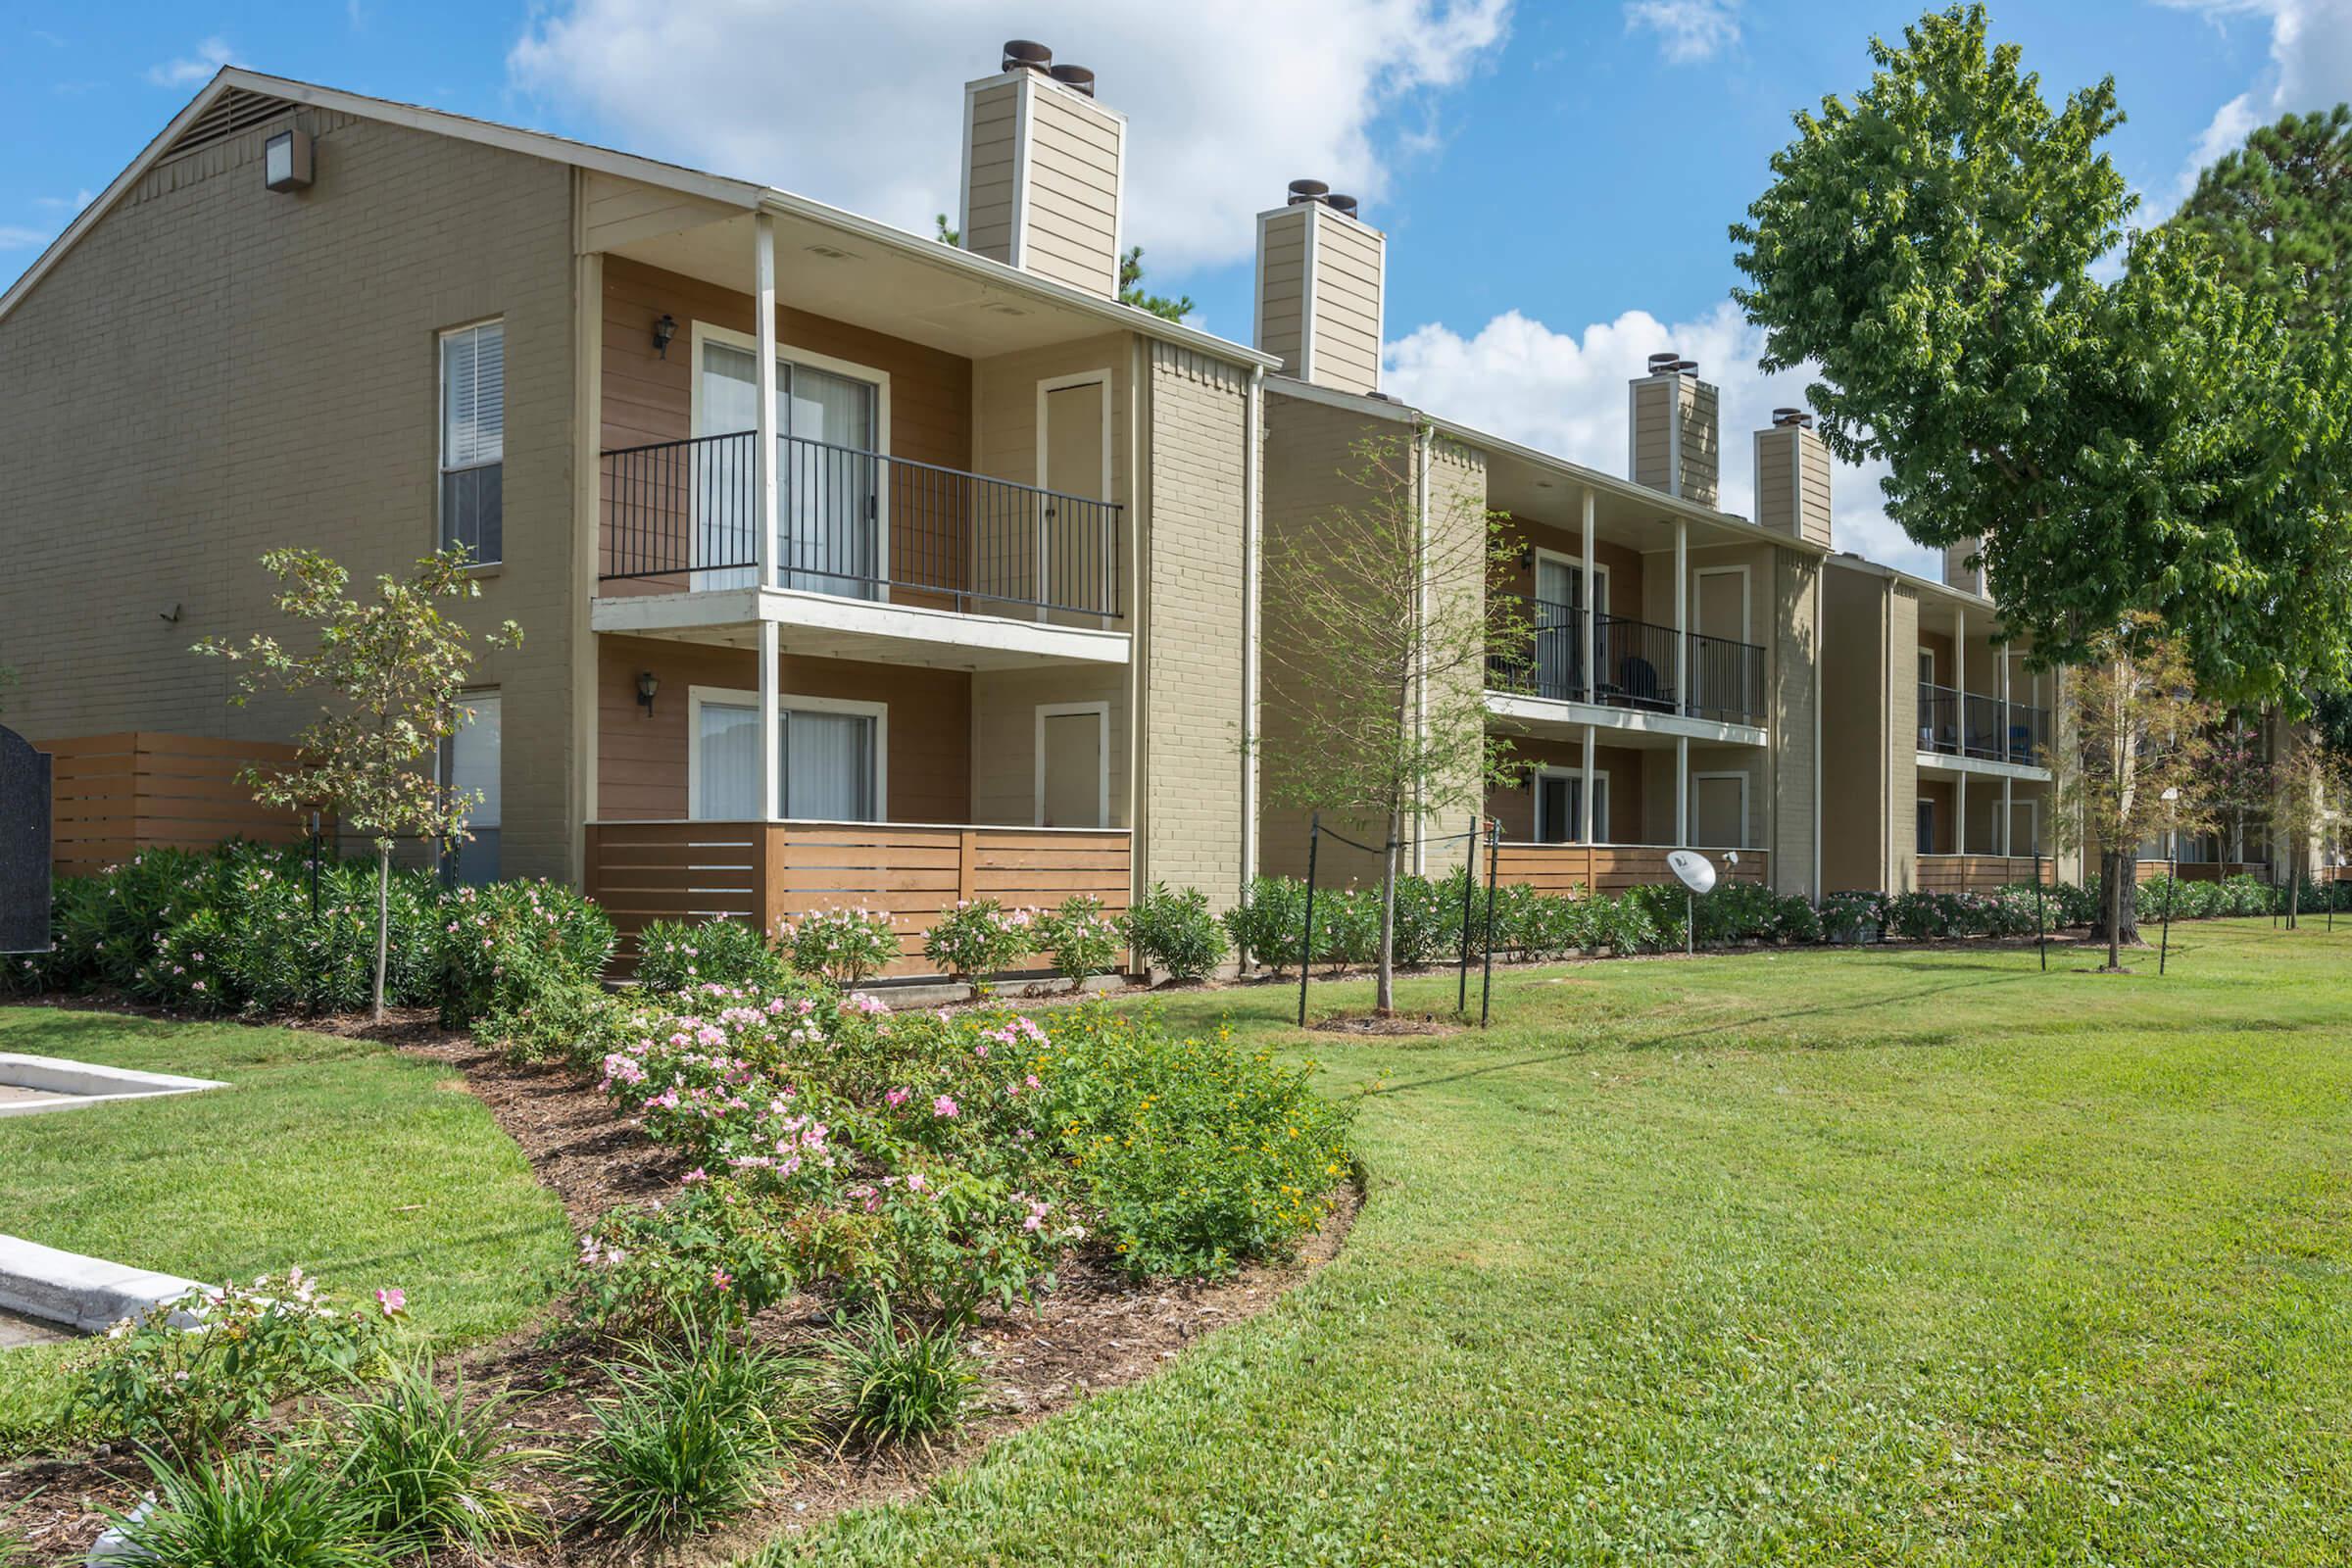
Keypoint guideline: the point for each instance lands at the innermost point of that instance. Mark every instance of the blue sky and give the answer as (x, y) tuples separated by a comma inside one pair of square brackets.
[(1555, 179)]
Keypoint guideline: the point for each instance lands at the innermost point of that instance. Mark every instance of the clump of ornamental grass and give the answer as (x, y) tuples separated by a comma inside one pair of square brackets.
[(428, 1471), (897, 1382), (258, 1509)]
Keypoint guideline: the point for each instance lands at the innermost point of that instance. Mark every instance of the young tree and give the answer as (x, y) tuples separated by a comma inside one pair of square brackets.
[(2161, 443), (1378, 632), (391, 671), (2142, 741), (2306, 800)]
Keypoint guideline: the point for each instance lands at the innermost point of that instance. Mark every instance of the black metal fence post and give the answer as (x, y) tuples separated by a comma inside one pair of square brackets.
[(1486, 989), (2041, 924), (1306, 937), (1461, 991)]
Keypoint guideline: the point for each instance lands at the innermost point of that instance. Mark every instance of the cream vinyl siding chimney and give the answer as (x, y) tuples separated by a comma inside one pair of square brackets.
[(1957, 572), (1792, 480), (1321, 291), (1675, 437), (1045, 169)]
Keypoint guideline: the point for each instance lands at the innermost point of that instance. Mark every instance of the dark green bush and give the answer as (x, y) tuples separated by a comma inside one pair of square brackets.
[(1174, 931), (1266, 926), (679, 954)]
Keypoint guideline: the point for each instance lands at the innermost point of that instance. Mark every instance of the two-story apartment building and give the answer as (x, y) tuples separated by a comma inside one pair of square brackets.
[(854, 567), (1671, 692)]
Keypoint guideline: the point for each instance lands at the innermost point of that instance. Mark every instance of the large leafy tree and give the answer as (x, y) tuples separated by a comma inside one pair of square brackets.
[(2161, 443), (2278, 211)]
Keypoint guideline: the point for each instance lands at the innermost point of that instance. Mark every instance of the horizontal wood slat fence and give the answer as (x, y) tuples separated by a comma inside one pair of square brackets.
[(1980, 873), (1609, 869), (776, 871), (116, 794)]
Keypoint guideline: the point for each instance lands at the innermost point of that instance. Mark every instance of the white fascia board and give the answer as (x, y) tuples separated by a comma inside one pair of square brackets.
[(657, 614), (1632, 720), (1946, 763)]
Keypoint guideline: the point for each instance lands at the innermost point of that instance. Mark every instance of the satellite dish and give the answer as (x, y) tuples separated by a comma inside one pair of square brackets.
[(1697, 872)]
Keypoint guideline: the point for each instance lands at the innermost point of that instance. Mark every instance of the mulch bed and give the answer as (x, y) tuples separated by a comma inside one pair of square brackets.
[(1097, 1330)]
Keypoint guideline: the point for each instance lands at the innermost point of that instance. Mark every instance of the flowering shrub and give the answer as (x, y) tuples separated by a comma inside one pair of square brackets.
[(506, 945), (676, 954), (978, 938), (1083, 940), (1174, 931), (191, 1372), (1266, 925), (1853, 916), (844, 945)]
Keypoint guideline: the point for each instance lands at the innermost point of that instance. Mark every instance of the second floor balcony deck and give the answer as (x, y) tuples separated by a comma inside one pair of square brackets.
[(1630, 664), (1981, 727), (682, 516)]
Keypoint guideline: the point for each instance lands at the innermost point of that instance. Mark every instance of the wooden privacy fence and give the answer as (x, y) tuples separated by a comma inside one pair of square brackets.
[(770, 872), (1611, 867), (1980, 873), (116, 795)]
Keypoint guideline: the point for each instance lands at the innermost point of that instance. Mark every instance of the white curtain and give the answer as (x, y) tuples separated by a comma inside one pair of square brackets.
[(829, 766), (830, 524), (728, 764), (724, 476)]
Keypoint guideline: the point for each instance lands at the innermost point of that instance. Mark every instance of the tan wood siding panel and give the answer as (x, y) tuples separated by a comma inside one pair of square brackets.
[(1572, 868), (1984, 873), (113, 796)]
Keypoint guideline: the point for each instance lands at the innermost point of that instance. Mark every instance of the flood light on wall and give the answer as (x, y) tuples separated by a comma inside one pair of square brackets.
[(663, 330), (286, 159), (647, 685)]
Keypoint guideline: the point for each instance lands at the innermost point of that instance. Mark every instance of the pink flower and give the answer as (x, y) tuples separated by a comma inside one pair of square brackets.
[(943, 1106), (698, 1174), (914, 1181), (393, 1299), (721, 1279), (897, 1097)]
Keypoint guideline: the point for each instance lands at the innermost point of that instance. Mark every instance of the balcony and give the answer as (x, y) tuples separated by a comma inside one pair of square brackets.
[(1636, 665), (680, 516), (1974, 725)]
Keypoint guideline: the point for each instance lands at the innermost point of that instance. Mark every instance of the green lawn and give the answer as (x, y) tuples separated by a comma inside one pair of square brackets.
[(1818, 1258), (365, 1167)]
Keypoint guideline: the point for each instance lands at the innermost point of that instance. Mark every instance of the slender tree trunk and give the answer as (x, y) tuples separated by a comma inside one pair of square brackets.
[(383, 921), (2294, 884), (2118, 902), (1383, 996)]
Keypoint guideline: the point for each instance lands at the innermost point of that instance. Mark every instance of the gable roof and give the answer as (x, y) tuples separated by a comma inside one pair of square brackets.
[(237, 99)]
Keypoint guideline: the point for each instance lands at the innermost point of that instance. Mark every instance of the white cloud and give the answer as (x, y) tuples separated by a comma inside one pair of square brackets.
[(1688, 30), (210, 56), (1226, 100), (67, 204), (16, 237), (1563, 393), (2310, 67)]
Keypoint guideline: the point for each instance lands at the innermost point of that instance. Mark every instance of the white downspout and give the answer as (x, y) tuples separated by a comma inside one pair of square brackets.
[(1421, 449), (1252, 569), (764, 468)]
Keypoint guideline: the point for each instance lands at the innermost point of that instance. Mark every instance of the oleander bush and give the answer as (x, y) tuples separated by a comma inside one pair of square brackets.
[(1174, 931), (1084, 941), (843, 946), (977, 938), (680, 954), (1267, 925)]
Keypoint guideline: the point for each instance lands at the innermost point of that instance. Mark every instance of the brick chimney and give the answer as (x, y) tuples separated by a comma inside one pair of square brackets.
[(1322, 287), (1044, 171), (1792, 478), (1675, 438)]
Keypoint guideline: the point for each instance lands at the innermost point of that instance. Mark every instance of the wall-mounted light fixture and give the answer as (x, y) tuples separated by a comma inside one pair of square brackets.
[(647, 685), (286, 159), (1527, 557), (663, 330)]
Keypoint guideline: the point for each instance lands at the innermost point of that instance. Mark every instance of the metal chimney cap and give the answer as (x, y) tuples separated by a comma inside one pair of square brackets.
[(1782, 417), (1078, 79), (1341, 204), (1307, 190), (1665, 364), (1026, 54)]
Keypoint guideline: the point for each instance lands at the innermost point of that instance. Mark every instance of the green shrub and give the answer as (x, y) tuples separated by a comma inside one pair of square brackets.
[(1083, 940), (675, 955), (891, 1382), (1195, 1157), (978, 938), (1853, 916), (189, 1388), (1267, 925), (510, 945), (689, 1436), (1174, 931), (428, 1471), (285, 1509), (1555, 925), (843, 946), (1794, 921), (1623, 926)]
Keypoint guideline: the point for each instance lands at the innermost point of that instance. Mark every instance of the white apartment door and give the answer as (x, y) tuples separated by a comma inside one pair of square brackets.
[(2025, 827), (1069, 553), (1072, 781), (1560, 630)]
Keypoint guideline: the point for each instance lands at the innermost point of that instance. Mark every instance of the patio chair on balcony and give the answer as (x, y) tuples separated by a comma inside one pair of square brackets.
[(1639, 686)]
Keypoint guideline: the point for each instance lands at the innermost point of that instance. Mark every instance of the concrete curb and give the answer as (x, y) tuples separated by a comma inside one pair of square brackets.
[(89, 1294), (88, 1082)]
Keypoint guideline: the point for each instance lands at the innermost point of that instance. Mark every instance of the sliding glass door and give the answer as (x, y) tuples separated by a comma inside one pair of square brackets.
[(829, 478), (830, 760)]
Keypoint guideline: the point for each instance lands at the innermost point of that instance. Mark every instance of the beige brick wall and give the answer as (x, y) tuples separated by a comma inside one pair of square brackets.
[(1191, 763), (1005, 705), (216, 370), (1457, 521)]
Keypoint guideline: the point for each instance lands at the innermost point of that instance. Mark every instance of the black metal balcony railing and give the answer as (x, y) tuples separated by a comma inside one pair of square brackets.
[(1973, 725), (855, 523), (1636, 667)]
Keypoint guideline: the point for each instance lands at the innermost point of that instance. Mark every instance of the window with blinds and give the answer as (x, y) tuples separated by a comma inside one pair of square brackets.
[(473, 438)]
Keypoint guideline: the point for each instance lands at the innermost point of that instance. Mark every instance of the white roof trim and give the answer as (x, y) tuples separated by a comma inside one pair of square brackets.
[(746, 194)]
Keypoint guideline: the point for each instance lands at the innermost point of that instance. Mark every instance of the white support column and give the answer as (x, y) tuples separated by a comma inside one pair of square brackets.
[(2006, 732), (771, 729), (1960, 791), (1682, 792), (1591, 654), (1584, 811), (2008, 817), (1682, 616), (765, 449)]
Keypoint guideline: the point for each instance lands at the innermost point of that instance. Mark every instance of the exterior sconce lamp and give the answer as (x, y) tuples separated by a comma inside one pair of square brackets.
[(663, 330), (647, 685), (286, 159), (1527, 557)]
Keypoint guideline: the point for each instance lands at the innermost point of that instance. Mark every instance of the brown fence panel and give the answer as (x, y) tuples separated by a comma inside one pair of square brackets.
[(116, 795), (1979, 874), (1578, 868)]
